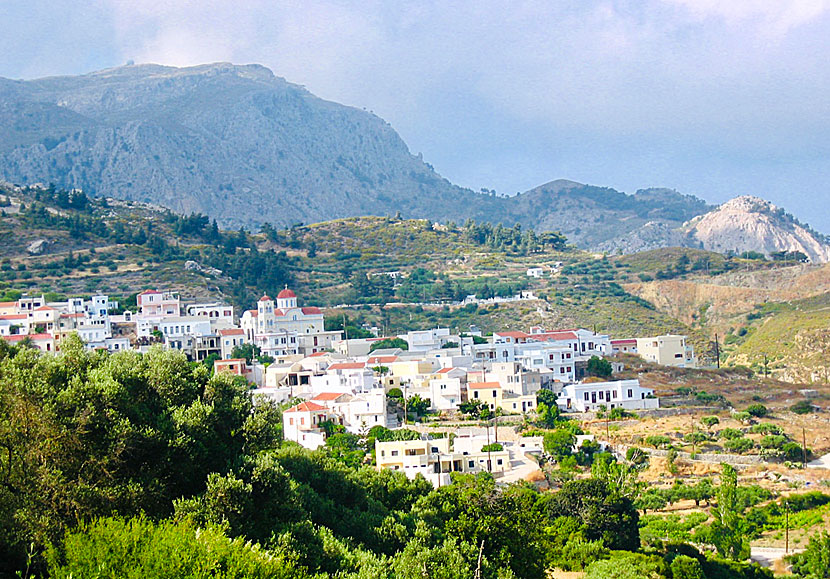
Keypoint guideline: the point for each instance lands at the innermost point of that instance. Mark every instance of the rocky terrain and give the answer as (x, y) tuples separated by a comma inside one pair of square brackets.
[(246, 147), (752, 224)]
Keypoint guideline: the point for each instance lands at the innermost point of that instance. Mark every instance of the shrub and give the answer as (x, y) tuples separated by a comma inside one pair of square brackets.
[(685, 567), (775, 441), (802, 407), (739, 445), (140, 548), (658, 441), (766, 428), (757, 410), (730, 433)]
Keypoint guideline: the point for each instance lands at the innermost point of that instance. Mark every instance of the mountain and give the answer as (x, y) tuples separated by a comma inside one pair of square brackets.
[(606, 219), (752, 224), (234, 142), (243, 146)]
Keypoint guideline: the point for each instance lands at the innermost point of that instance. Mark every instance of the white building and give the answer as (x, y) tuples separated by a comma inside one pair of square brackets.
[(350, 377), (668, 350), (448, 389), (284, 328), (301, 424), (435, 459), (587, 397)]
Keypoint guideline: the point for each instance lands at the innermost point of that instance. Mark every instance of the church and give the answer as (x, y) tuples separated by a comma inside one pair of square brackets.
[(283, 328)]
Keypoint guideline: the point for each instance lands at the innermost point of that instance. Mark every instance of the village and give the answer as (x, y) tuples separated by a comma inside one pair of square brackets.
[(353, 385)]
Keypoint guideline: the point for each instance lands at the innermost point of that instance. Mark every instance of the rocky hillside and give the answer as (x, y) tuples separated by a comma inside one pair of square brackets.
[(608, 220), (233, 142), (246, 147), (752, 224)]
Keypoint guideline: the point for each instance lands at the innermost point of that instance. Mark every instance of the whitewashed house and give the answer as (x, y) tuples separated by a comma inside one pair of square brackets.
[(589, 396)]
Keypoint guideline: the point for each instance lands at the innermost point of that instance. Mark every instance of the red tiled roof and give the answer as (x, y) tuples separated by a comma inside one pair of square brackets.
[(347, 366), (35, 337), (13, 317), (44, 309), (317, 354), (232, 332), (265, 298), (328, 396), (480, 385), (286, 293), (624, 341), (253, 313), (311, 310), (76, 315), (382, 360), (306, 407), (145, 292), (513, 334), (445, 370), (8, 304)]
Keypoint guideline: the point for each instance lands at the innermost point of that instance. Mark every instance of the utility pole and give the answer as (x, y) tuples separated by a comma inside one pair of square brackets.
[(717, 350), (489, 463), (804, 446), (404, 403), (607, 435)]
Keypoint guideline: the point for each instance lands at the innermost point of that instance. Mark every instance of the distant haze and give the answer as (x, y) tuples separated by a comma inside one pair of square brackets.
[(713, 98)]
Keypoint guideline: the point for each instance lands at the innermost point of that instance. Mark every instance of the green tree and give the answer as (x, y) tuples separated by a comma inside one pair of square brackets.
[(685, 567), (599, 367), (726, 532), (559, 443), (814, 562), (139, 548), (389, 343), (757, 410)]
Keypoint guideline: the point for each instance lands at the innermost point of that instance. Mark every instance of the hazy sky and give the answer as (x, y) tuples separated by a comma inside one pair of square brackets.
[(712, 97)]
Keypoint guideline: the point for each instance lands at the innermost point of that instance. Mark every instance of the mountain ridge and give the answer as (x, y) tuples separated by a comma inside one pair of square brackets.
[(248, 147)]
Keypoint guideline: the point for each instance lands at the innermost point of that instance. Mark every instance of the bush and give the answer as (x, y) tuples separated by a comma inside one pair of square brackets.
[(730, 433), (493, 447), (757, 410), (685, 567), (140, 548), (766, 428), (658, 441), (802, 407), (739, 445), (578, 553)]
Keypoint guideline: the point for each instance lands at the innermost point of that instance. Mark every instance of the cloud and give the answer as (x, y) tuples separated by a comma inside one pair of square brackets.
[(771, 17)]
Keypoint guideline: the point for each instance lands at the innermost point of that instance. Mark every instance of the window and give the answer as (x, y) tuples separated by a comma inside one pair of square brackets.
[(587, 397), (601, 396), (471, 463), (630, 393), (394, 453), (499, 462), (475, 394), (291, 421)]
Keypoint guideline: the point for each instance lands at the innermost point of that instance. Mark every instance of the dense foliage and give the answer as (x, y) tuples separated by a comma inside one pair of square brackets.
[(149, 466)]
